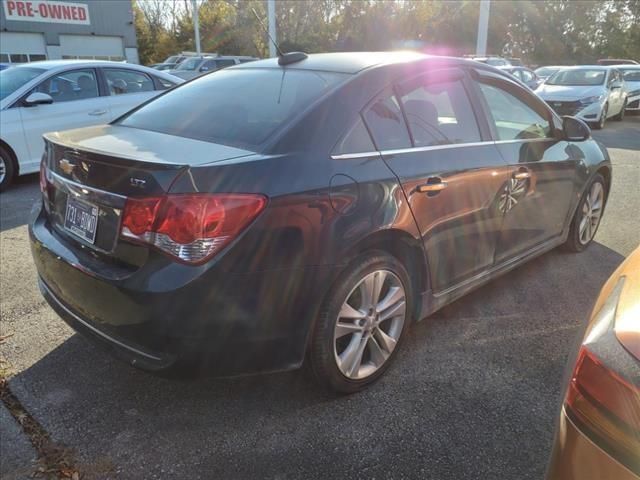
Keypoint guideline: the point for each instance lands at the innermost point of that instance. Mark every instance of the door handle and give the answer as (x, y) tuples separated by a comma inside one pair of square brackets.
[(97, 113), (522, 175), (434, 185)]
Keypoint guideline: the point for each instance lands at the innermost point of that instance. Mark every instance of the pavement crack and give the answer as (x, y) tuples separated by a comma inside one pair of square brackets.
[(55, 461)]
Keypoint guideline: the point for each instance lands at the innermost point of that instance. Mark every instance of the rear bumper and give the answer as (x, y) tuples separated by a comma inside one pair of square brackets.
[(576, 457), (161, 317)]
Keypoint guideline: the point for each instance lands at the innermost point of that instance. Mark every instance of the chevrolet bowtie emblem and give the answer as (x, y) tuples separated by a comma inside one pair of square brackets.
[(66, 166)]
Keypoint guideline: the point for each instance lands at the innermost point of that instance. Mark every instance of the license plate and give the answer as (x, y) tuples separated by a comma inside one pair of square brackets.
[(81, 219)]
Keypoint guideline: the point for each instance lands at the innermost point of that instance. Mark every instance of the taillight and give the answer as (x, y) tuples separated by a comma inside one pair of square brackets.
[(607, 405), (190, 227), (602, 402)]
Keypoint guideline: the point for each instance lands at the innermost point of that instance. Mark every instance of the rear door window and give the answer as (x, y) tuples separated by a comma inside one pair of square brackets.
[(122, 81), (386, 123), (438, 110), (357, 140)]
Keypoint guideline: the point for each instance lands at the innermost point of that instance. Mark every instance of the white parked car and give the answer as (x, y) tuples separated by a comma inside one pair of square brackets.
[(631, 77), (55, 95), (592, 93)]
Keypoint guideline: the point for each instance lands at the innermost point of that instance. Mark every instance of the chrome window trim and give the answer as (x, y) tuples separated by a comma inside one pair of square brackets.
[(349, 156)]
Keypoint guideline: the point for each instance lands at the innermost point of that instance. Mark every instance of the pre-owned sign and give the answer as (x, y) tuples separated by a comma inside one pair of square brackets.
[(48, 11)]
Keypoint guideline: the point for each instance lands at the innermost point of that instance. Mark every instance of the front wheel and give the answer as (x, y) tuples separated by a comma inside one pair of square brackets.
[(620, 116), (603, 118), (588, 215), (361, 323), (7, 170)]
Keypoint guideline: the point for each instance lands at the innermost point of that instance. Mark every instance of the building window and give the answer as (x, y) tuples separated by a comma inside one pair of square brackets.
[(21, 57)]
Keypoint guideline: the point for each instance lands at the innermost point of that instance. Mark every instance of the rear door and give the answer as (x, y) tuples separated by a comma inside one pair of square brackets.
[(127, 88), (76, 103), (541, 184), (451, 176)]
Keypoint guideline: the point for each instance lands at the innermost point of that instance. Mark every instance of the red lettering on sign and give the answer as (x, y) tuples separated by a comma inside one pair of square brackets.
[(54, 10), (21, 9), (66, 14), (82, 13), (74, 13), (11, 6), (29, 9), (42, 9)]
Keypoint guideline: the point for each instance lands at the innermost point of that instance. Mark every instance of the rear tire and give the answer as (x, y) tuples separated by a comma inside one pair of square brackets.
[(7, 169), (584, 224), (348, 323)]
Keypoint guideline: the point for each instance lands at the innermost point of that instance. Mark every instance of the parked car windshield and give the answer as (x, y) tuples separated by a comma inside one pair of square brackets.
[(12, 79), (578, 77), (630, 74), (239, 107)]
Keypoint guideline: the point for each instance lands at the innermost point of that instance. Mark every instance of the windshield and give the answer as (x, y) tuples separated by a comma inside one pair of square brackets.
[(630, 74), (546, 71), (172, 59), (12, 79), (578, 77), (190, 64), (234, 107)]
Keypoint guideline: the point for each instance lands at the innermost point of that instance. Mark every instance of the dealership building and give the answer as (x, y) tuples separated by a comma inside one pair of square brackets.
[(32, 30)]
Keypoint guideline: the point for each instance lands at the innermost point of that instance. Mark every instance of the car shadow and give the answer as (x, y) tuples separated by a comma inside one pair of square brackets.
[(17, 201), (623, 135), (473, 393)]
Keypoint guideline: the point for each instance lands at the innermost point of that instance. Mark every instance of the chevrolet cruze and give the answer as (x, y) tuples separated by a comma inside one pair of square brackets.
[(593, 94), (306, 209)]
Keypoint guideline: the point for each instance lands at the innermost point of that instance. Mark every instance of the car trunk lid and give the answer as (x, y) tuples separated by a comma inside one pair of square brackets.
[(91, 172)]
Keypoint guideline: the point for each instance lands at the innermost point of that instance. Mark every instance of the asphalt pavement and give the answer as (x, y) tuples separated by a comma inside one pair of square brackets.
[(473, 394)]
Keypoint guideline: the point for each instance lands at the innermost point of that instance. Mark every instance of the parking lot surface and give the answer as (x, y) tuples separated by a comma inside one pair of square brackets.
[(474, 393)]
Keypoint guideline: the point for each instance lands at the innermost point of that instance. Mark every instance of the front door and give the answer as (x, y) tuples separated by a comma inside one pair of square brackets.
[(450, 176), (541, 186), (76, 103)]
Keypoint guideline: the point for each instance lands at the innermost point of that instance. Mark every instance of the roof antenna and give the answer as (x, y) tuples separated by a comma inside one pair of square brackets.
[(280, 54), (283, 58)]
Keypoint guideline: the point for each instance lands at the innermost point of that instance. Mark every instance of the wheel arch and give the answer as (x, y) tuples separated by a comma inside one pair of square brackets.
[(407, 249)]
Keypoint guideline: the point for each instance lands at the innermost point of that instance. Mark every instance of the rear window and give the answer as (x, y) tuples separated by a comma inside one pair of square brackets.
[(234, 107)]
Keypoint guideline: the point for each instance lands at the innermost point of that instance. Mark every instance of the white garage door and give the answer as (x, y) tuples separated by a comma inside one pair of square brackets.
[(22, 47), (96, 47)]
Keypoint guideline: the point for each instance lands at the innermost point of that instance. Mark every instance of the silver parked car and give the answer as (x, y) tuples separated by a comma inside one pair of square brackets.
[(545, 72), (591, 93), (526, 76), (196, 66), (631, 77)]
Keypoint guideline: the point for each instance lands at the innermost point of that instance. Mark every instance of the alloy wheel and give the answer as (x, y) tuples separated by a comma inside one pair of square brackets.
[(369, 324), (3, 169), (591, 213), (603, 117)]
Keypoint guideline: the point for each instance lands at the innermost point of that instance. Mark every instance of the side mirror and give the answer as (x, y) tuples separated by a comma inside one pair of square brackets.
[(38, 98), (575, 130), (616, 85)]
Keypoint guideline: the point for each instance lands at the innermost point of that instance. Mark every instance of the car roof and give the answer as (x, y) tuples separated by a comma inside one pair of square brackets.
[(342, 62), (49, 64), (56, 65)]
